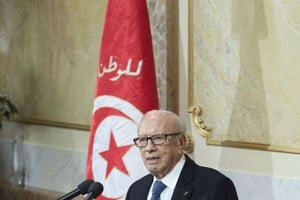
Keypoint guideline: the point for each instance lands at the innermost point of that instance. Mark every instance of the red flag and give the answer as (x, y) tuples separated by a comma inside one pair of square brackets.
[(125, 90)]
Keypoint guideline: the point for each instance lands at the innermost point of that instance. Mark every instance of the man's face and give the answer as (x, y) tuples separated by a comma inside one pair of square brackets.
[(160, 159)]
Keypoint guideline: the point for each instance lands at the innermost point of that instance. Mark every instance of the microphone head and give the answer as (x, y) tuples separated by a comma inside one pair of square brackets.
[(84, 186), (95, 189)]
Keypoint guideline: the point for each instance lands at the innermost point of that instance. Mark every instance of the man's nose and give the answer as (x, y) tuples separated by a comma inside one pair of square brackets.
[(150, 145)]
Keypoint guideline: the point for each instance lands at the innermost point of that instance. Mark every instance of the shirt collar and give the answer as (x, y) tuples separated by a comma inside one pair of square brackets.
[(171, 178)]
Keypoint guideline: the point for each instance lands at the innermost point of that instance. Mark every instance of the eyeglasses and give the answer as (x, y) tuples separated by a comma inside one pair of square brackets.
[(155, 139)]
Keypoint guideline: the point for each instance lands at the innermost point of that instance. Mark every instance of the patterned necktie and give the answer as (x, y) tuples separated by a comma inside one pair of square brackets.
[(157, 190)]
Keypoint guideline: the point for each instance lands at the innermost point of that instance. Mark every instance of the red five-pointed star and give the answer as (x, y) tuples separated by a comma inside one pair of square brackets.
[(114, 156)]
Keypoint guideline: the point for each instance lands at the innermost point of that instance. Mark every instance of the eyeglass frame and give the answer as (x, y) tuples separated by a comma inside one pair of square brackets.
[(135, 140)]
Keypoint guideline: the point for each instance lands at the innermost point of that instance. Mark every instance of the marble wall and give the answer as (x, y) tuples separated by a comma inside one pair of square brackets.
[(54, 46), (45, 167), (245, 70), (58, 168), (61, 171)]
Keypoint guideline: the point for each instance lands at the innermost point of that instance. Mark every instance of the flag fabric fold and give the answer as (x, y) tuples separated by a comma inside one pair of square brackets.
[(125, 89)]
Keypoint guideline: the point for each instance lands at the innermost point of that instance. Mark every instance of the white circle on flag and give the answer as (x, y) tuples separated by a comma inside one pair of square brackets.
[(123, 129)]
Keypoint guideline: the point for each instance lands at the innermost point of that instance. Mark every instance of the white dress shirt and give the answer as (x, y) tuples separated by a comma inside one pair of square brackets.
[(169, 180)]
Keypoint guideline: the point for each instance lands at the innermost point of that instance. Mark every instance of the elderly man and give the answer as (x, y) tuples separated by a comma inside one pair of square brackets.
[(173, 175)]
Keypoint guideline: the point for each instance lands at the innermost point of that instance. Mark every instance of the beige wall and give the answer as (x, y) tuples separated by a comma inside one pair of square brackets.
[(232, 159)]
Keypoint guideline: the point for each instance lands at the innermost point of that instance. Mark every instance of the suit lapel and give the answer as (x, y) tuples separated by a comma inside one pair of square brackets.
[(184, 187), (143, 191)]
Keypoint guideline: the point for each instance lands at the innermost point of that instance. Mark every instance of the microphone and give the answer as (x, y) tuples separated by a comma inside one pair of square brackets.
[(94, 191), (82, 188)]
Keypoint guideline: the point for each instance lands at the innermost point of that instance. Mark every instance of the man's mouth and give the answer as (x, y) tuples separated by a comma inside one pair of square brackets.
[(153, 159)]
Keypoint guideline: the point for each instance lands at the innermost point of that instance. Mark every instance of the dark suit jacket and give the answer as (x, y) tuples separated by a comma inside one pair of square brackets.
[(195, 183)]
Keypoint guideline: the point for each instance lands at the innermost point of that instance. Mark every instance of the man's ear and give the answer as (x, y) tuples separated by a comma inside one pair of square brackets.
[(182, 140)]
